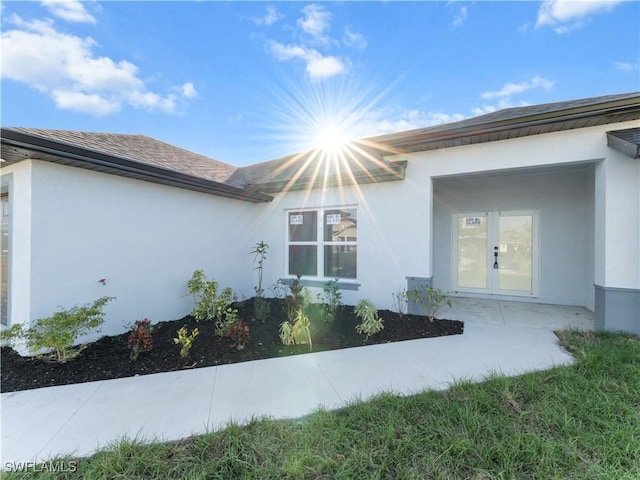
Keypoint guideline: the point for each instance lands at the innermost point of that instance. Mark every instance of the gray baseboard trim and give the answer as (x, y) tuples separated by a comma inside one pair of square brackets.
[(617, 309)]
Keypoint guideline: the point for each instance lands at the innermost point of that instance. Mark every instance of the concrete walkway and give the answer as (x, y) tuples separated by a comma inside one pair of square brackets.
[(500, 337)]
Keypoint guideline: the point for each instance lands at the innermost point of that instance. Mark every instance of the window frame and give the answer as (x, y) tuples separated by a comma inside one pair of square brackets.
[(320, 243)]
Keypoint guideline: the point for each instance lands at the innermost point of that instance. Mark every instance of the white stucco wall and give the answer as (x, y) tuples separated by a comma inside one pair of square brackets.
[(392, 234), (144, 239)]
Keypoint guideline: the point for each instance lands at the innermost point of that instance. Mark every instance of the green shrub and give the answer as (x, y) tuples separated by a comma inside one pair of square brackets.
[(400, 301), (210, 305), (204, 293), (332, 299), (431, 300), (296, 332), (368, 314), (58, 334), (185, 340), (261, 308)]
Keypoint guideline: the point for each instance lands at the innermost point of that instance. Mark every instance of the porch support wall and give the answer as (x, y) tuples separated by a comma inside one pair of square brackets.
[(16, 179), (617, 240)]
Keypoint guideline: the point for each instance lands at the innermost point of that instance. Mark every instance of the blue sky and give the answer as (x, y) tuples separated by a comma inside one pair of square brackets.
[(245, 82)]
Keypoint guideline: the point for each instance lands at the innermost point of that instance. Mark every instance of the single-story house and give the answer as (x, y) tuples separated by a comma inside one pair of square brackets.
[(536, 204)]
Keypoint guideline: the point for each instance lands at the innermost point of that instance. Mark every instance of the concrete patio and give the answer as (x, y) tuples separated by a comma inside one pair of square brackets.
[(499, 337)]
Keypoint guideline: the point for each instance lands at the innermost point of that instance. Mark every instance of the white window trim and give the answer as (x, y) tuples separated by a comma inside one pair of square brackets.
[(320, 243)]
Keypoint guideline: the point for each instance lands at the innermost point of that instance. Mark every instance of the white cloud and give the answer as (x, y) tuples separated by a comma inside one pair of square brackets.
[(566, 15), (188, 90), (315, 21), (460, 17), (318, 67), (270, 17), (85, 103), (354, 39), (70, 10), (396, 119), (627, 67), (66, 68), (516, 88)]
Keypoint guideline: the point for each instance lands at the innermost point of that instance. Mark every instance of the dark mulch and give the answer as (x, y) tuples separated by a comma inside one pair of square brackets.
[(108, 357)]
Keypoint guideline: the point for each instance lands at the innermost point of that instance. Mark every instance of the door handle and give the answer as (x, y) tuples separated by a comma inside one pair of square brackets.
[(495, 257)]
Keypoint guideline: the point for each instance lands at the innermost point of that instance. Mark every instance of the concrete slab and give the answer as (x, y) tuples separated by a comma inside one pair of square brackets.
[(162, 406), (286, 387), (31, 419)]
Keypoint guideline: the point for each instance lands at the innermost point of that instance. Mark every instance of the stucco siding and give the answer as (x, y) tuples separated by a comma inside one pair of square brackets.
[(144, 239), (393, 233)]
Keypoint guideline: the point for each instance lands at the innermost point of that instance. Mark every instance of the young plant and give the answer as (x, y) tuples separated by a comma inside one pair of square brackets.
[(204, 293), (225, 315), (368, 314), (296, 332), (239, 333), (297, 299), (400, 301), (431, 300), (140, 338), (259, 253), (57, 335), (332, 298), (261, 308), (185, 340)]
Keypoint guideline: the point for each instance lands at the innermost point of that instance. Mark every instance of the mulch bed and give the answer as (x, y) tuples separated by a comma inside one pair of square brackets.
[(108, 357)]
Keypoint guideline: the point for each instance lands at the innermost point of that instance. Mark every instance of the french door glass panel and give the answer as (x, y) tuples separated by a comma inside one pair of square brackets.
[(515, 256), (472, 252)]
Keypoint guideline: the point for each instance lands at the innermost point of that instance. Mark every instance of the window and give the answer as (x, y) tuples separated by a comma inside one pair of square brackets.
[(323, 242)]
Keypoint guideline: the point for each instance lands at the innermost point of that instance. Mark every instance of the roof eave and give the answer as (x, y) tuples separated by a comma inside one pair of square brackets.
[(71, 155), (418, 140)]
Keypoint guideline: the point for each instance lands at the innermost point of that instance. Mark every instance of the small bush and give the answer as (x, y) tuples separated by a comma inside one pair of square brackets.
[(204, 293), (296, 332), (261, 308), (431, 300), (400, 301), (331, 300), (210, 304), (239, 333), (140, 338), (368, 314), (185, 340), (58, 334)]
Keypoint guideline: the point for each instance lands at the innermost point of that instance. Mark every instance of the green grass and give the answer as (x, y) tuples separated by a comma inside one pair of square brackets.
[(580, 421)]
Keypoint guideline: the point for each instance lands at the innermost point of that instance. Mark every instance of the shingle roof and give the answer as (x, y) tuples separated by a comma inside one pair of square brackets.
[(365, 162), (142, 149), (358, 159)]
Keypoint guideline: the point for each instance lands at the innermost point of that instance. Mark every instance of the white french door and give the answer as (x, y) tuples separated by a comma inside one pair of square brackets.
[(496, 253)]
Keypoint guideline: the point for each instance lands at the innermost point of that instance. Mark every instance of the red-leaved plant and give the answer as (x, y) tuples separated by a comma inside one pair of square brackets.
[(239, 333), (140, 339)]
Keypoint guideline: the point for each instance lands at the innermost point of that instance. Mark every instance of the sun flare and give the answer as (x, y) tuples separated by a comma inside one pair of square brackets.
[(330, 138)]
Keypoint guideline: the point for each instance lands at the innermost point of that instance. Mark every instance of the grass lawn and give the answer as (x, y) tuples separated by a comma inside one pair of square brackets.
[(580, 421)]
